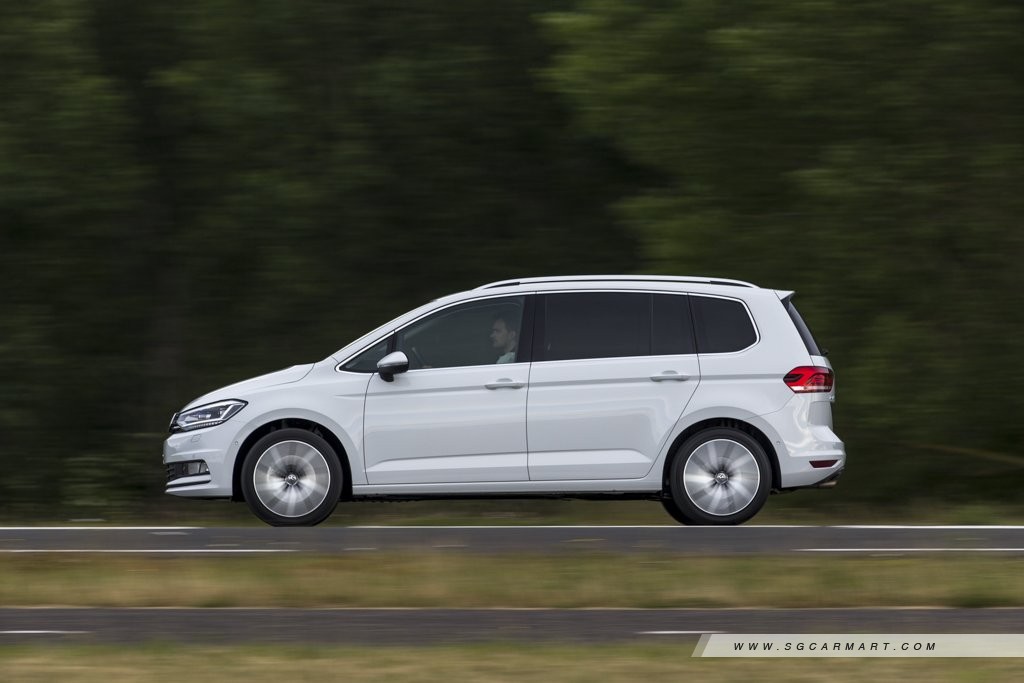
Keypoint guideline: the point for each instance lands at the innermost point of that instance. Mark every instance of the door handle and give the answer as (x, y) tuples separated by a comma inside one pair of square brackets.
[(505, 384), (669, 376)]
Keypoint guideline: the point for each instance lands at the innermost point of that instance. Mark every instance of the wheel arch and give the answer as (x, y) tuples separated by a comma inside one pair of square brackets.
[(291, 423), (732, 423)]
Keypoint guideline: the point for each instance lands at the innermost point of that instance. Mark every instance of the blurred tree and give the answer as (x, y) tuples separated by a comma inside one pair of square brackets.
[(197, 192), (69, 183), (868, 154)]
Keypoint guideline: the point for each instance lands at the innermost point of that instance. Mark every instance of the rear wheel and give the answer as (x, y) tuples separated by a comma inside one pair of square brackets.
[(718, 476), (673, 509), (292, 477)]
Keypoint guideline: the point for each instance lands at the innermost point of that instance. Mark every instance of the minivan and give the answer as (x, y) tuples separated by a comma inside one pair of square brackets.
[(704, 394)]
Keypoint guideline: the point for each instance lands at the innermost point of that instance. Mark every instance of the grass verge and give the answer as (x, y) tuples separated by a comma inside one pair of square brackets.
[(464, 580), (807, 507), (481, 664)]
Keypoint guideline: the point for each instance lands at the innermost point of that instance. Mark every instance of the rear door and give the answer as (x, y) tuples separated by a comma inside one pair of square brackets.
[(612, 373)]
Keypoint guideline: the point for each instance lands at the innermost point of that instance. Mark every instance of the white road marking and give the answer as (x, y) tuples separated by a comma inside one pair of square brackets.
[(909, 550), (513, 527), (96, 528), (927, 527), (39, 633), (359, 548), (548, 526), (677, 633), (149, 550)]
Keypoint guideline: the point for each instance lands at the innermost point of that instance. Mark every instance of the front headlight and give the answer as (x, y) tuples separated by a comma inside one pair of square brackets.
[(206, 416)]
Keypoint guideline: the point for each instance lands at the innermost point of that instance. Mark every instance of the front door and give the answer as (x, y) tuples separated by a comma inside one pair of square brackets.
[(459, 414)]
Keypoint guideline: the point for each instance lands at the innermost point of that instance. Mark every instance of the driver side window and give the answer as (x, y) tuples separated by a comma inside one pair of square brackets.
[(367, 360), (474, 333)]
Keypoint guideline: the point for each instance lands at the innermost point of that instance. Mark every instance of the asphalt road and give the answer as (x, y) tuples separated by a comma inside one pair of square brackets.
[(438, 626), (743, 540)]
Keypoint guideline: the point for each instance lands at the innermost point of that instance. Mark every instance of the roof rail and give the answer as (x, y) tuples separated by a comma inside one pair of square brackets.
[(616, 278)]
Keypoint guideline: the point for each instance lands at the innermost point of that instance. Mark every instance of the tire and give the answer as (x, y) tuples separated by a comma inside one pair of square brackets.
[(292, 477), (672, 509), (719, 476)]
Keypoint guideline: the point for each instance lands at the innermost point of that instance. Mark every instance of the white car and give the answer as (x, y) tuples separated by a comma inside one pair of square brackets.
[(705, 394)]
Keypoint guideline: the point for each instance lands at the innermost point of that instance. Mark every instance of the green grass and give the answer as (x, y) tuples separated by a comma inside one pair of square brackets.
[(478, 663), (805, 507), (575, 579)]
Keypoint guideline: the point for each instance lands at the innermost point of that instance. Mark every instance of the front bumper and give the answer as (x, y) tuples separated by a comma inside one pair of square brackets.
[(214, 446)]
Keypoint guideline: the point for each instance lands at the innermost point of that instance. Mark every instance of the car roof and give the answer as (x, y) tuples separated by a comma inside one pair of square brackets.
[(578, 279)]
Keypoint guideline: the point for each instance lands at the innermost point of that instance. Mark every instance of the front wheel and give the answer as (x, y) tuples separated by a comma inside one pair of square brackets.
[(718, 476), (291, 477)]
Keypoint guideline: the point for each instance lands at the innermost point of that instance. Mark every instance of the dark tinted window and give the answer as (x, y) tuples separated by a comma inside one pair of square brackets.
[(474, 333), (596, 325), (723, 325), (367, 360), (673, 329), (805, 332)]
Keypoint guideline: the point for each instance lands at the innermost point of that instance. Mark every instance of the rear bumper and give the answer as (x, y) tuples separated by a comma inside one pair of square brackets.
[(809, 454), (800, 469), (830, 481)]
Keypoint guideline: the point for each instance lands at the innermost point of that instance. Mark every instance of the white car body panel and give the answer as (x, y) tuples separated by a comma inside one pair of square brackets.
[(509, 488), (326, 397), (272, 379), (445, 425), (605, 418)]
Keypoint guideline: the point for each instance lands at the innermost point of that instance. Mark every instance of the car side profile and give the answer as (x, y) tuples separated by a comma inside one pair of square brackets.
[(705, 394)]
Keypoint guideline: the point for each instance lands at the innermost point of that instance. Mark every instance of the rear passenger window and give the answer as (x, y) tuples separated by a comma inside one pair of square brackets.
[(673, 328), (595, 325), (723, 325)]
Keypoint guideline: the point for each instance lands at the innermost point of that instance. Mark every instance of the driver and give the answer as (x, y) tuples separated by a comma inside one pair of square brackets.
[(505, 339)]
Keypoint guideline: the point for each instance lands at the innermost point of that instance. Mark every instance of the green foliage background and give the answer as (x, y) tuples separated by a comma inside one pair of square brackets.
[(196, 192)]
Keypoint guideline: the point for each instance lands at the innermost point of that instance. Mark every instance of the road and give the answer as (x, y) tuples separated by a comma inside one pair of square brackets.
[(432, 626), (743, 540), (438, 626)]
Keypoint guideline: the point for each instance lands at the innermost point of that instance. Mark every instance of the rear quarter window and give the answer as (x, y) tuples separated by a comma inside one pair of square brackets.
[(803, 329), (722, 325)]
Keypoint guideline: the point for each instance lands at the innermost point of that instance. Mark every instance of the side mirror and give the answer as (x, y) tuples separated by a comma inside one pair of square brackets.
[(391, 365)]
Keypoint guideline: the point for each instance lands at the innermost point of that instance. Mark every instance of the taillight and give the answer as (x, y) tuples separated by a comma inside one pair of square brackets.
[(809, 378)]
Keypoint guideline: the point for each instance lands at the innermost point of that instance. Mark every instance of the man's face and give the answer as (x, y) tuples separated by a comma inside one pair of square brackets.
[(499, 334)]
